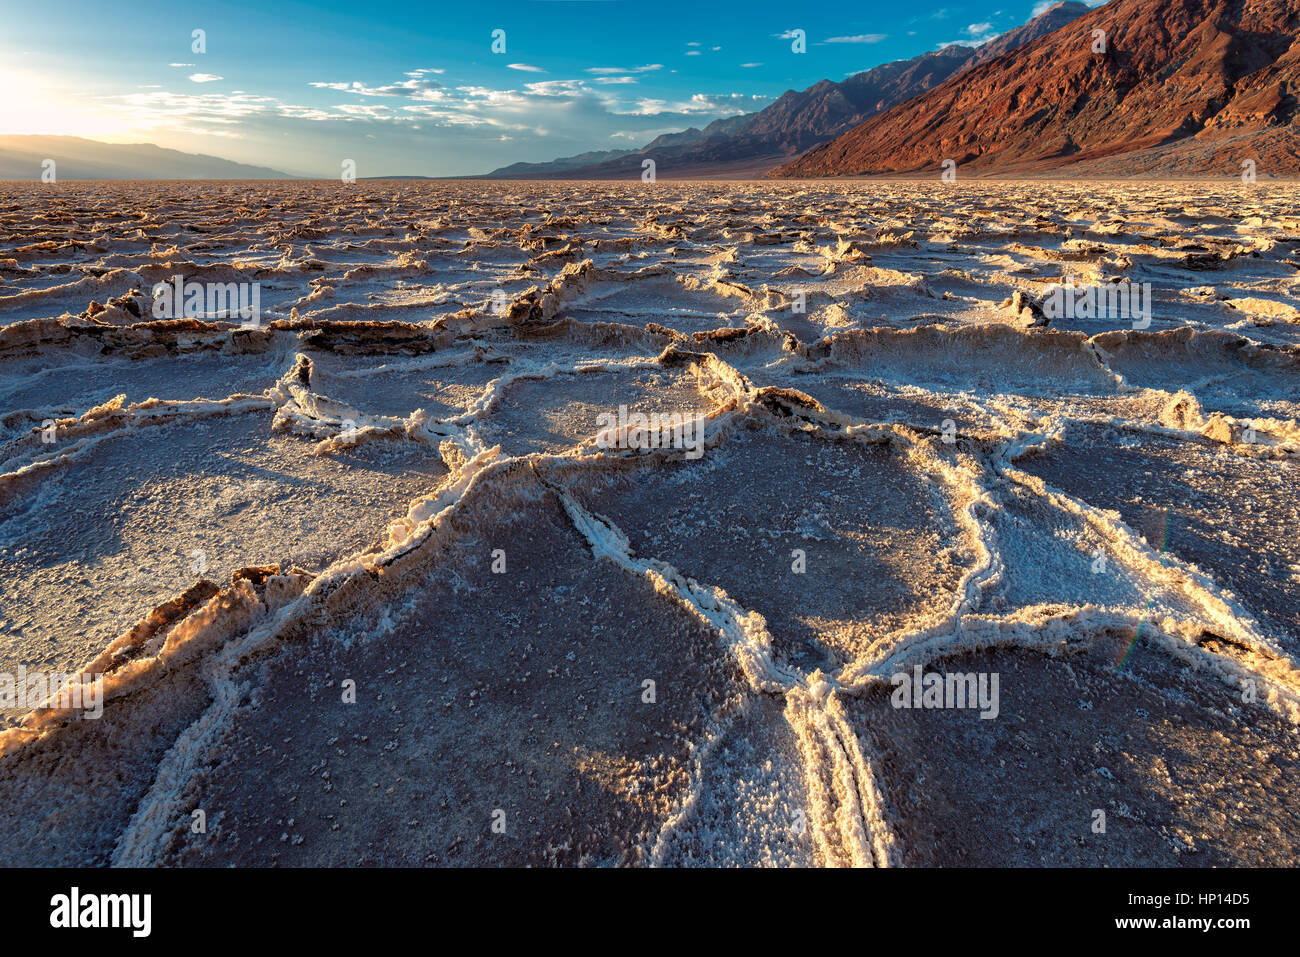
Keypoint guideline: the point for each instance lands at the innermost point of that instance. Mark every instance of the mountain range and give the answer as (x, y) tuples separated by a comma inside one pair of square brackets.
[(752, 143), (21, 157)]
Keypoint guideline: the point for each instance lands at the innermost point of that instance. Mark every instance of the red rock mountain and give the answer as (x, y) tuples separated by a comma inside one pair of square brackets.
[(1180, 87)]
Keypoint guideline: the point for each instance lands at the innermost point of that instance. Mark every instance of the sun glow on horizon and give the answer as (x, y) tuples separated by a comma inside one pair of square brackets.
[(39, 107)]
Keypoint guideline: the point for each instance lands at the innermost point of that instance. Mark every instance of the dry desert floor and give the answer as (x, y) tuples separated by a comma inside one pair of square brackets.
[(372, 579)]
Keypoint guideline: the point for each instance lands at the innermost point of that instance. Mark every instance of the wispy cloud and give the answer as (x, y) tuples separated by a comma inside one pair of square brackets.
[(417, 85), (981, 33), (373, 111), (554, 87), (699, 103), (603, 70), (205, 77), (977, 34), (213, 114), (526, 67), (859, 38)]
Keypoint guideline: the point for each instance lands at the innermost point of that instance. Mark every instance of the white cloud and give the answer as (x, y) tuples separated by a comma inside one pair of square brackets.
[(749, 66), (540, 120), (377, 111), (726, 104), (194, 112), (205, 77), (603, 70), (977, 34), (305, 113), (181, 64), (417, 86), (859, 38), (554, 87), (526, 67)]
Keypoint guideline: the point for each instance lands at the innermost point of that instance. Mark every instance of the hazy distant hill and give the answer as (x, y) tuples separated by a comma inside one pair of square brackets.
[(563, 163), (597, 157), (79, 158)]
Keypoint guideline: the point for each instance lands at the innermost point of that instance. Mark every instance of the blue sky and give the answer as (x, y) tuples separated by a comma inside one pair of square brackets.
[(415, 88)]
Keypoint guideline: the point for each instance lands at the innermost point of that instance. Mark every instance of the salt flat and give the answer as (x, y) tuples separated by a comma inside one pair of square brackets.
[(370, 579)]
